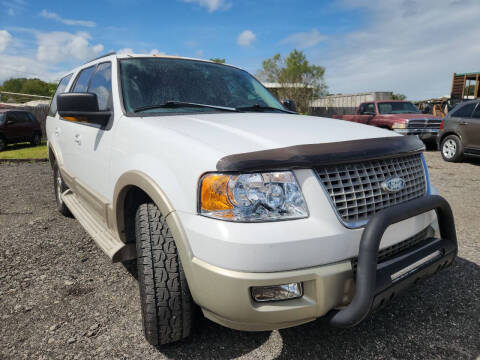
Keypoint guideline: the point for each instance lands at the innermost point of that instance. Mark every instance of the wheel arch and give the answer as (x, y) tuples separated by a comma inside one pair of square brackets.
[(451, 132), (138, 184)]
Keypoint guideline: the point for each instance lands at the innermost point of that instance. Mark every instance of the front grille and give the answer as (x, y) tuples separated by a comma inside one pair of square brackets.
[(394, 250), (356, 189), (423, 124)]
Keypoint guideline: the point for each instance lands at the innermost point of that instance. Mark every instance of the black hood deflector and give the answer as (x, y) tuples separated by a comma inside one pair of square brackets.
[(315, 155)]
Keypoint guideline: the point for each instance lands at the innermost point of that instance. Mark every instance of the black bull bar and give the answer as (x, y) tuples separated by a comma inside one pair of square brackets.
[(377, 282)]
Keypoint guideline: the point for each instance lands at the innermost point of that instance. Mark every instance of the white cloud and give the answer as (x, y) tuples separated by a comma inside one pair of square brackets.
[(55, 47), (5, 39), (53, 16), (13, 7), (304, 40), (125, 51), (26, 66), (199, 53), (405, 48), (212, 5), (157, 52), (246, 38)]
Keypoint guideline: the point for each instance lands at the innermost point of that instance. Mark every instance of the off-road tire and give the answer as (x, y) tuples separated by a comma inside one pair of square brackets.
[(60, 187), (167, 306), (458, 148), (3, 143), (36, 140)]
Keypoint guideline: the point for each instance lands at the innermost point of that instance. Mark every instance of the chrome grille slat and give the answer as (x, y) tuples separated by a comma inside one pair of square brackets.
[(423, 124), (355, 189)]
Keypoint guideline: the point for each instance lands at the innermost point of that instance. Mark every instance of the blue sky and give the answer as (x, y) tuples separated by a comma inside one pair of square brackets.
[(404, 46)]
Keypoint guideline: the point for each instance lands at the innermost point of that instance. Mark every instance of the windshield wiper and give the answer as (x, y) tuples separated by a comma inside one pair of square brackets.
[(258, 107), (178, 104)]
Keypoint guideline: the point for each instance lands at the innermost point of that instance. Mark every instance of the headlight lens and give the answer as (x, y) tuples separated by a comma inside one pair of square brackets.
[(399, 126), (252, 197)]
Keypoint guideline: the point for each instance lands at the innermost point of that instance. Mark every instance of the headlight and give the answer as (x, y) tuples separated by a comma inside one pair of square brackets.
[(252, 197), (399, 126)]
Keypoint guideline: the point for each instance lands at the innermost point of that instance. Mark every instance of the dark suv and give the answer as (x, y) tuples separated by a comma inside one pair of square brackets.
[(18, 126), (460, 131)]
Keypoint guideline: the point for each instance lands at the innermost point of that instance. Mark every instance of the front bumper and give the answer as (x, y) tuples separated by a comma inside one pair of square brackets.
[(224, 295), (376, 283), (424, 134)]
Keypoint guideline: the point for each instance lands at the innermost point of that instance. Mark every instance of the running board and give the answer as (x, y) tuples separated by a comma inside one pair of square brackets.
[(116, 249)]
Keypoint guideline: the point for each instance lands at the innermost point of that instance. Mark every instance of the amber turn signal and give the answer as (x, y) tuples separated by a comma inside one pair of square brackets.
[(214, 193)]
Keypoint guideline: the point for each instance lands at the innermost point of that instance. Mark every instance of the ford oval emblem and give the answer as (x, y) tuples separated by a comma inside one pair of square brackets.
[(393, 185)]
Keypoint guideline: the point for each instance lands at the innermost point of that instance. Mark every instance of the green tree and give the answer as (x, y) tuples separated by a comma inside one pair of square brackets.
[(218, 60), (299, 79), (28, 86), (398, 97)]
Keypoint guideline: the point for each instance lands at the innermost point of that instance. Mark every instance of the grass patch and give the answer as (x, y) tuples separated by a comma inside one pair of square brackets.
[(25, 151)]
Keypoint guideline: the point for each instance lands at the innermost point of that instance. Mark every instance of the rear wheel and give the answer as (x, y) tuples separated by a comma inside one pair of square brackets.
[(36, 139), (452, 148), (167, 305), (60, 187)]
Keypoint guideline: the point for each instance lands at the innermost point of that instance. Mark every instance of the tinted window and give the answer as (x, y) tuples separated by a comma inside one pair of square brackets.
[(62, 85), (371, 108), (362, 109), (11, 116), (22, 117), (2, 117), (476, 113), (31, 117), (101, 85), (399, 107), (465, 110), (83, 79)]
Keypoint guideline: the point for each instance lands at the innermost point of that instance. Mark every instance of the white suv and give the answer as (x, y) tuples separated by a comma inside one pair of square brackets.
[(236, 205)]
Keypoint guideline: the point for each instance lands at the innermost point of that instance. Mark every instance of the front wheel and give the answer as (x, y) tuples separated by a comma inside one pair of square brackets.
[(452, 148), (36, 139), (167, 305)]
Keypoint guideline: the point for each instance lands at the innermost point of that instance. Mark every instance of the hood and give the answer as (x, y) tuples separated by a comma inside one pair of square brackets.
[(233, 133)]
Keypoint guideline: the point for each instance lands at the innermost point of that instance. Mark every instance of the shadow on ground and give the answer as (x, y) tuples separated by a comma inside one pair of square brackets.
[(438, 318)]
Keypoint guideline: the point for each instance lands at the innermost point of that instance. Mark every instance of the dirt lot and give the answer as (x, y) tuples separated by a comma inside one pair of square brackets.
[(60, 297)]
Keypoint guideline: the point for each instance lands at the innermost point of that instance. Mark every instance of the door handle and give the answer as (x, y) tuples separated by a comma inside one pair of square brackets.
[(78, 139), (57, 131), (463, 123)]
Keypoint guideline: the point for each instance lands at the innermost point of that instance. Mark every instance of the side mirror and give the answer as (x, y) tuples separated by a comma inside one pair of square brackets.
[(290, 105), (81, 107), (10, 122)]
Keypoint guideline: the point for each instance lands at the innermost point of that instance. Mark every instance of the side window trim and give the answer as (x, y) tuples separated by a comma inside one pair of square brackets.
[(111, 75), (475, 111), (69, 76), (80, 73), (72, 87)]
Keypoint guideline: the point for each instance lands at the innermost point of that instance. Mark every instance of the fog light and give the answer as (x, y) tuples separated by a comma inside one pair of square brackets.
[(277, 292)]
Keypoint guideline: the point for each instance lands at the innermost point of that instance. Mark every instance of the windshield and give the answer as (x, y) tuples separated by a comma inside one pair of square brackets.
[(397, 108), (148, 83)]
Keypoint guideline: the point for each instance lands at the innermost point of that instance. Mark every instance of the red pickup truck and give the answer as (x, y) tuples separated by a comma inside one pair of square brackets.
[(397, 115)]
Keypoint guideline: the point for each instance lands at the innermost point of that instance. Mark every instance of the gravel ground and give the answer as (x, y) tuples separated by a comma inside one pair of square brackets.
[(60, 297)]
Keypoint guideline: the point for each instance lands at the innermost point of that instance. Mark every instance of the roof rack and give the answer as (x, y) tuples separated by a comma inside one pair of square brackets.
[(102, 56)]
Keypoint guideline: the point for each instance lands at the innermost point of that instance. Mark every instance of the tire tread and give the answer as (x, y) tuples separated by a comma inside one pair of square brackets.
[(166, 301)]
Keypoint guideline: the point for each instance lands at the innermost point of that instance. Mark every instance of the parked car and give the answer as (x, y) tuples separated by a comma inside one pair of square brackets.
[(460, 132), (18, 126), (400, 116), (232, 204)]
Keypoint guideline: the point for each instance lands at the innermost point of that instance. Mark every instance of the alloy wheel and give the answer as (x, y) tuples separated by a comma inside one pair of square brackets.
[(449, 148)]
